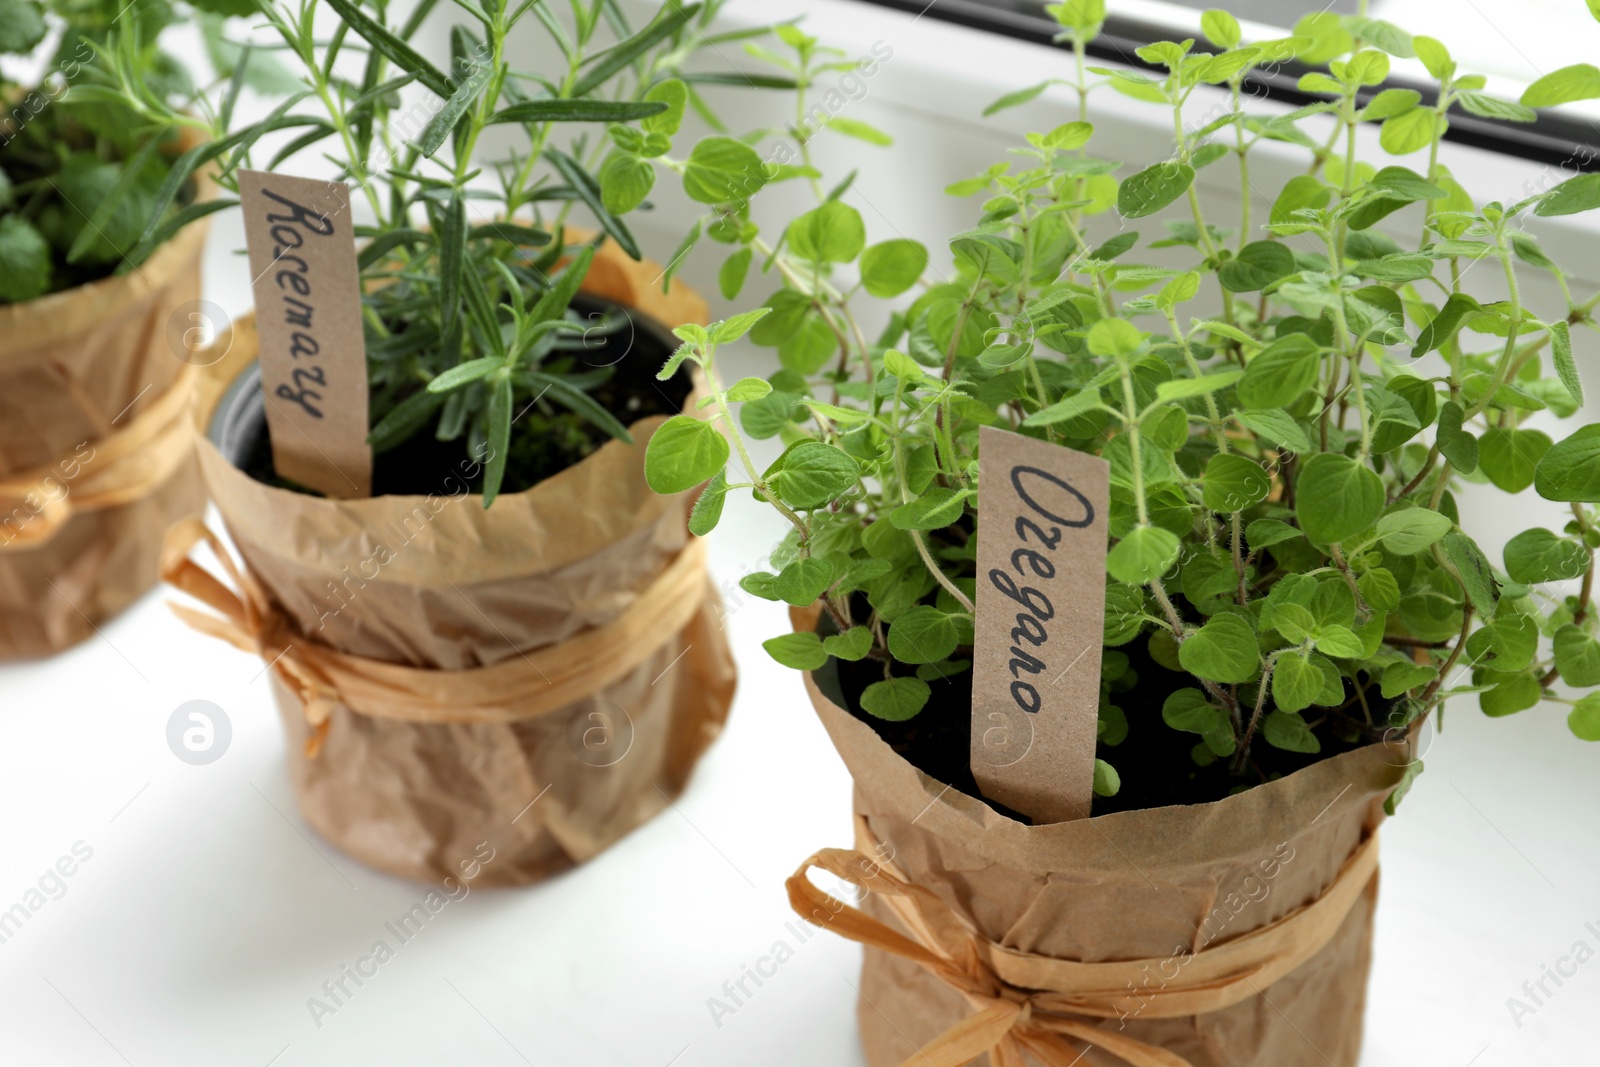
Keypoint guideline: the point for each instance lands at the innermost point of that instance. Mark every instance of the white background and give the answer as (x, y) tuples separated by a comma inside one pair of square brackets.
[(209, 913)]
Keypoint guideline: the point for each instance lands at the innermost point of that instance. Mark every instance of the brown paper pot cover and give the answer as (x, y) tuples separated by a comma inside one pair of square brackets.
[(476, 588), (1128, 886), (71, 363)]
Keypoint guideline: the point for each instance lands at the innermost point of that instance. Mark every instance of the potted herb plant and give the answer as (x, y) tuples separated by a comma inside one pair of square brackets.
[(512, 639), (94, 387), (1291, 588)]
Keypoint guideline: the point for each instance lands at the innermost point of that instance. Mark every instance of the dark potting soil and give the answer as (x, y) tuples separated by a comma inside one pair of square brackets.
[(1153, 761), (545, 440)]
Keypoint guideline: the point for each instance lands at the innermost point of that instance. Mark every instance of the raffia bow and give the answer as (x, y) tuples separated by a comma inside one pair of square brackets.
[(322, 678), (1029, 1004), (127, 465)]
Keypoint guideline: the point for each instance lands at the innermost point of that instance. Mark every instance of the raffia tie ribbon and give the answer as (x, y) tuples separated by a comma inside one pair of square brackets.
[(323, 678), (1026, 1003), (128, 464)]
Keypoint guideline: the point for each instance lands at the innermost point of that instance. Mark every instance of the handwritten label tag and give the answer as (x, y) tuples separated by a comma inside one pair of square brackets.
[(1040, 630), (308, 312)]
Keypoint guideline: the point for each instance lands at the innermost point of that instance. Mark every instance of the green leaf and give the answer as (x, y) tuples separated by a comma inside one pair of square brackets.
[(1257, 266), (1154, 188), (1391, 803), (1301, 192), (730, 278), (1456, 444), (801, 651), (830, 233), (707, 510), (464, 374), (889, 268), (1233, 483), (499, 439), (1476, 575), (1264, 533), (1287, 731), (669, 19), (1223, 650), (1221, 29), (933, 510), (1184, 388), (1277, 427), (732, 329), (1445, 323), (861, 131), (682, 453), (721, 170), (1114, 338), (1401, 677), (675, 95), (1539, 555), (1571, 196), (1581, 81), (923, 635), (1106, 780), (25, 260), (1339, 642), (1385, 35), (1281, 373), (1570, 471), (399, 52), (1296, 682), (452, 225), (1584, 718), (455, 109), (853, 644), (1509, 697), (1577, 656), (1411, 131), (1505, 644), (1509, 457), (1389, 103), (1017, 97), (902, 366), (1412, 530), (1144, 555), (588, 191), (1336, 497), (895, 699), (1492, 107), (22, 26), (1566, 367), (803, 581), (747, 389), (1189, 710), (1068, 408), (813, 474), (625, 181), (1435, 57)]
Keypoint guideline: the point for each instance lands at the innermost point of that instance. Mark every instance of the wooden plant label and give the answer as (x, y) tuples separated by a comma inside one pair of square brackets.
[(308, 313), (1041, 602)]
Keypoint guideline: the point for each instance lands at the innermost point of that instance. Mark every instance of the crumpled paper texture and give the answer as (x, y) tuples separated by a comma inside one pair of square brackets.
[(1130, 885), (466, 587), (70, 363)]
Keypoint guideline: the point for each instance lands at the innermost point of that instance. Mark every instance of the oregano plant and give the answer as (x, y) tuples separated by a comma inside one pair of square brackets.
[(1287, 419)]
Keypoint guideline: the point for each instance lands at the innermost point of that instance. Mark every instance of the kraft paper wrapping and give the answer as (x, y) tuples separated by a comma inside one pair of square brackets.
[(71, 363), (1155, 883), (468, 587)]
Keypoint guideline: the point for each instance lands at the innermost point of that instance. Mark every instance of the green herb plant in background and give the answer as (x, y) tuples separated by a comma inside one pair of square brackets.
[(1290, 574), (80, 169), (468, 268)]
